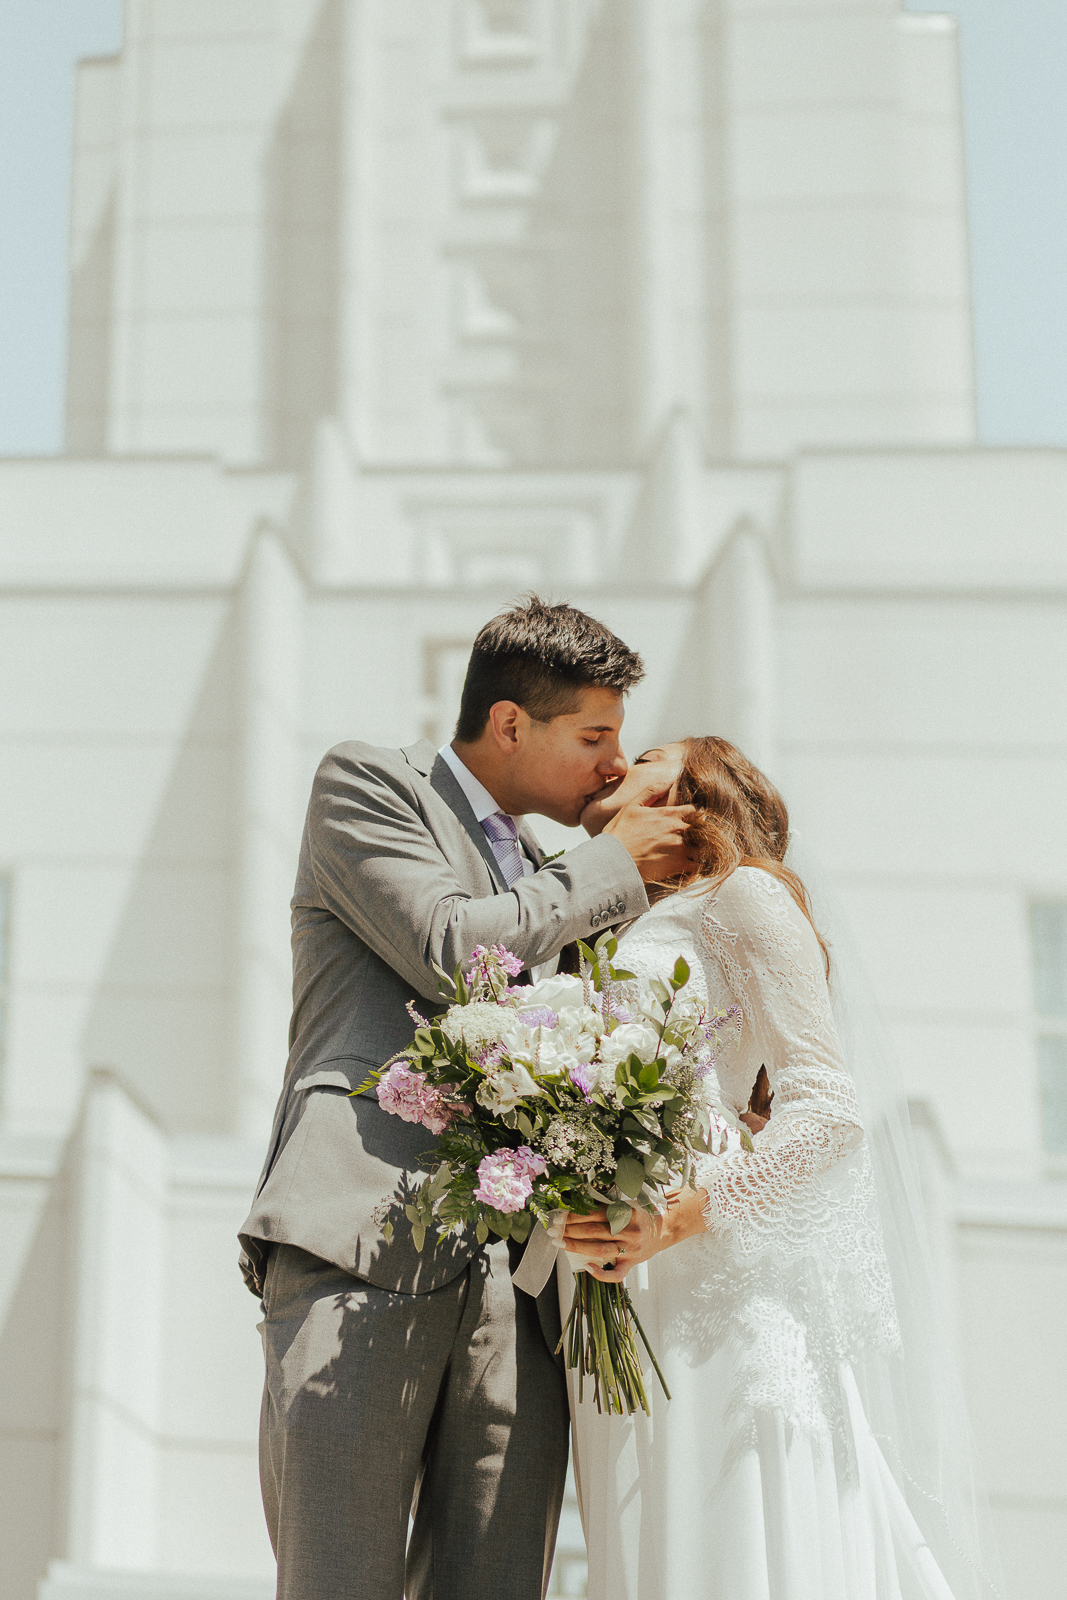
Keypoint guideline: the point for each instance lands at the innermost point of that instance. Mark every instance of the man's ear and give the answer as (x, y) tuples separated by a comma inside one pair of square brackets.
[(505, 719)]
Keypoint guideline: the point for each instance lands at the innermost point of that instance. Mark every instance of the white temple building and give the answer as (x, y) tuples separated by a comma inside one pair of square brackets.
[(383, 312)]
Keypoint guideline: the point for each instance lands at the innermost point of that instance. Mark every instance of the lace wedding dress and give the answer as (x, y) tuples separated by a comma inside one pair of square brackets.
[(761, 1478)]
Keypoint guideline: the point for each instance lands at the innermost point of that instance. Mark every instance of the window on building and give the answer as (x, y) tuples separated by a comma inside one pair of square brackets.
[(1049, 925)]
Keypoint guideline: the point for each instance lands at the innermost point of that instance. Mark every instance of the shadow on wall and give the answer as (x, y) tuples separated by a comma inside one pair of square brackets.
[(561, 299), (89, 349), (163, 1013), (303, 233), (31, 1404)]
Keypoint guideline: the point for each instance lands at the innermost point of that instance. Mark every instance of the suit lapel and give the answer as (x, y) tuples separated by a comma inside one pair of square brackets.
[(425, 759), (443, 781)]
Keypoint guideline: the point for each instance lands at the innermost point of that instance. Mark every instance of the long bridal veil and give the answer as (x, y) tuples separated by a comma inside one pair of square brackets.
[(912, 1399)]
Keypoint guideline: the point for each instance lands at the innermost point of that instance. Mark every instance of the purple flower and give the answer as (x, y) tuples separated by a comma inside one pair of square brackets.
[(503, 1182), (583, 1078), (537, 1016), (495, 957)]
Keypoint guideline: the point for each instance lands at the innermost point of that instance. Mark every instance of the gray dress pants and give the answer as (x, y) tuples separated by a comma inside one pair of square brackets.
[(447, 1407)]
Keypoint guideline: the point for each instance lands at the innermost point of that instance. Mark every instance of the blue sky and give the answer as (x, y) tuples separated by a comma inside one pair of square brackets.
[(1014, 62)]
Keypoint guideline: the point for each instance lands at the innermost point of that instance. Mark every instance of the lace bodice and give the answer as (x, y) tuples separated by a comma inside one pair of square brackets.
[(793, 1257)]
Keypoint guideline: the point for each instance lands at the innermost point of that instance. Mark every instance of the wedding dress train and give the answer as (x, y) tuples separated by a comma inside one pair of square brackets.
[(761, 1478)]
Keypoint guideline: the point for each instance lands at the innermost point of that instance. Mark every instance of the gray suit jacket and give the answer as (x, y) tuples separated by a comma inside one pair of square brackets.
[(395, 873)]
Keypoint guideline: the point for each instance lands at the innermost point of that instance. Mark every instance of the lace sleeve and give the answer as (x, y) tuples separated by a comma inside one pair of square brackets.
[(773, 966)]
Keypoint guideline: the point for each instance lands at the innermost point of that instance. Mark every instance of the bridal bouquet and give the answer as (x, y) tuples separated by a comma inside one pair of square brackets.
[(562, 1096)]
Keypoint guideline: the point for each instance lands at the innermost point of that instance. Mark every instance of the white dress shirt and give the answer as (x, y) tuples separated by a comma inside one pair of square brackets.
[(481, 801)]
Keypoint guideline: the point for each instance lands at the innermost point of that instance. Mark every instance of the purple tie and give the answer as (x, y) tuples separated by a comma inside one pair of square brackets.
[(503, 837)]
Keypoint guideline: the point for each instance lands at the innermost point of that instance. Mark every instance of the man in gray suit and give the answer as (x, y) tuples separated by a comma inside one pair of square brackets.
[(402, 1385)]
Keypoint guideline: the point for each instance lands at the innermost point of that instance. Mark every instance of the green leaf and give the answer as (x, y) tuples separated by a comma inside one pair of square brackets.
[(660, 990), (629, 1175), (418, 1234), (481, 1232), (521, 1223), (584, 950), (387, 1232), (657, 1168), (620, 975), (681, 973), (746, 1140), (525, 1125), (619, 1214), (424, 1042)]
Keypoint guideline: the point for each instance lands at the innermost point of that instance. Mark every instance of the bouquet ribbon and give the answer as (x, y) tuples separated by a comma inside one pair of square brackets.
[(539, 1257)]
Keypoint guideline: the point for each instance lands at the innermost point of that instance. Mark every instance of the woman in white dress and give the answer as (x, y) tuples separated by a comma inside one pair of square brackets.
[(809, 1451)]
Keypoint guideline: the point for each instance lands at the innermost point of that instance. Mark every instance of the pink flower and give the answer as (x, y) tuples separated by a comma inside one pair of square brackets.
[(496, 956), (527, 1161), (405, 1093), (501, 1182)]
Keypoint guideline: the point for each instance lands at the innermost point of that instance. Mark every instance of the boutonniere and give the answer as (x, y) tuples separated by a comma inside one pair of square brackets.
[(553, 857)]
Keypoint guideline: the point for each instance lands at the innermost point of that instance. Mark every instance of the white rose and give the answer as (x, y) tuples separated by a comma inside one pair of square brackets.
[(562, 990), (630, 1039)]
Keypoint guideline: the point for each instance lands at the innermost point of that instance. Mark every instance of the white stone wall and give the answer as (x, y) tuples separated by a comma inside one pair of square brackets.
[(382, 313)]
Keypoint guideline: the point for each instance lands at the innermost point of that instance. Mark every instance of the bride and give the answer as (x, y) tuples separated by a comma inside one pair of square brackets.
[(812, 1448)]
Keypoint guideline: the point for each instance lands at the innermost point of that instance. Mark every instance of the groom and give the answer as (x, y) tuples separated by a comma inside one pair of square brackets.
[(402, 1385)]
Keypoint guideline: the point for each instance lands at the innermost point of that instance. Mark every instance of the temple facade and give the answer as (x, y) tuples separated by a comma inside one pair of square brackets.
[(384, 312)]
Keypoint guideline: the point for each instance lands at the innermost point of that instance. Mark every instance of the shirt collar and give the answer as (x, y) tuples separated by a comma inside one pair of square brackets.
[(481, 801)]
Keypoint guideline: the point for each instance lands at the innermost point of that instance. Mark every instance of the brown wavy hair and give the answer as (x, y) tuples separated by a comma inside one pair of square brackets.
[(741, 821)]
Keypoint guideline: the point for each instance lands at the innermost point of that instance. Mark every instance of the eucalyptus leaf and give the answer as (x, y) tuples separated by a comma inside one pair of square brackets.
[(387, 1232), (619, 1214), (629, 1175), (418, 1235), (500, 1222), (660, 990), (481, 1232)]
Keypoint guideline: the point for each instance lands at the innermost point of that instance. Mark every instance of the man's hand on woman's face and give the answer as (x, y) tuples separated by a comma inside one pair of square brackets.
[(651, 781)]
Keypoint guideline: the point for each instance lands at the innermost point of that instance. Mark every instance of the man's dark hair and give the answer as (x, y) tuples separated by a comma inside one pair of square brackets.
[(541, 657)]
